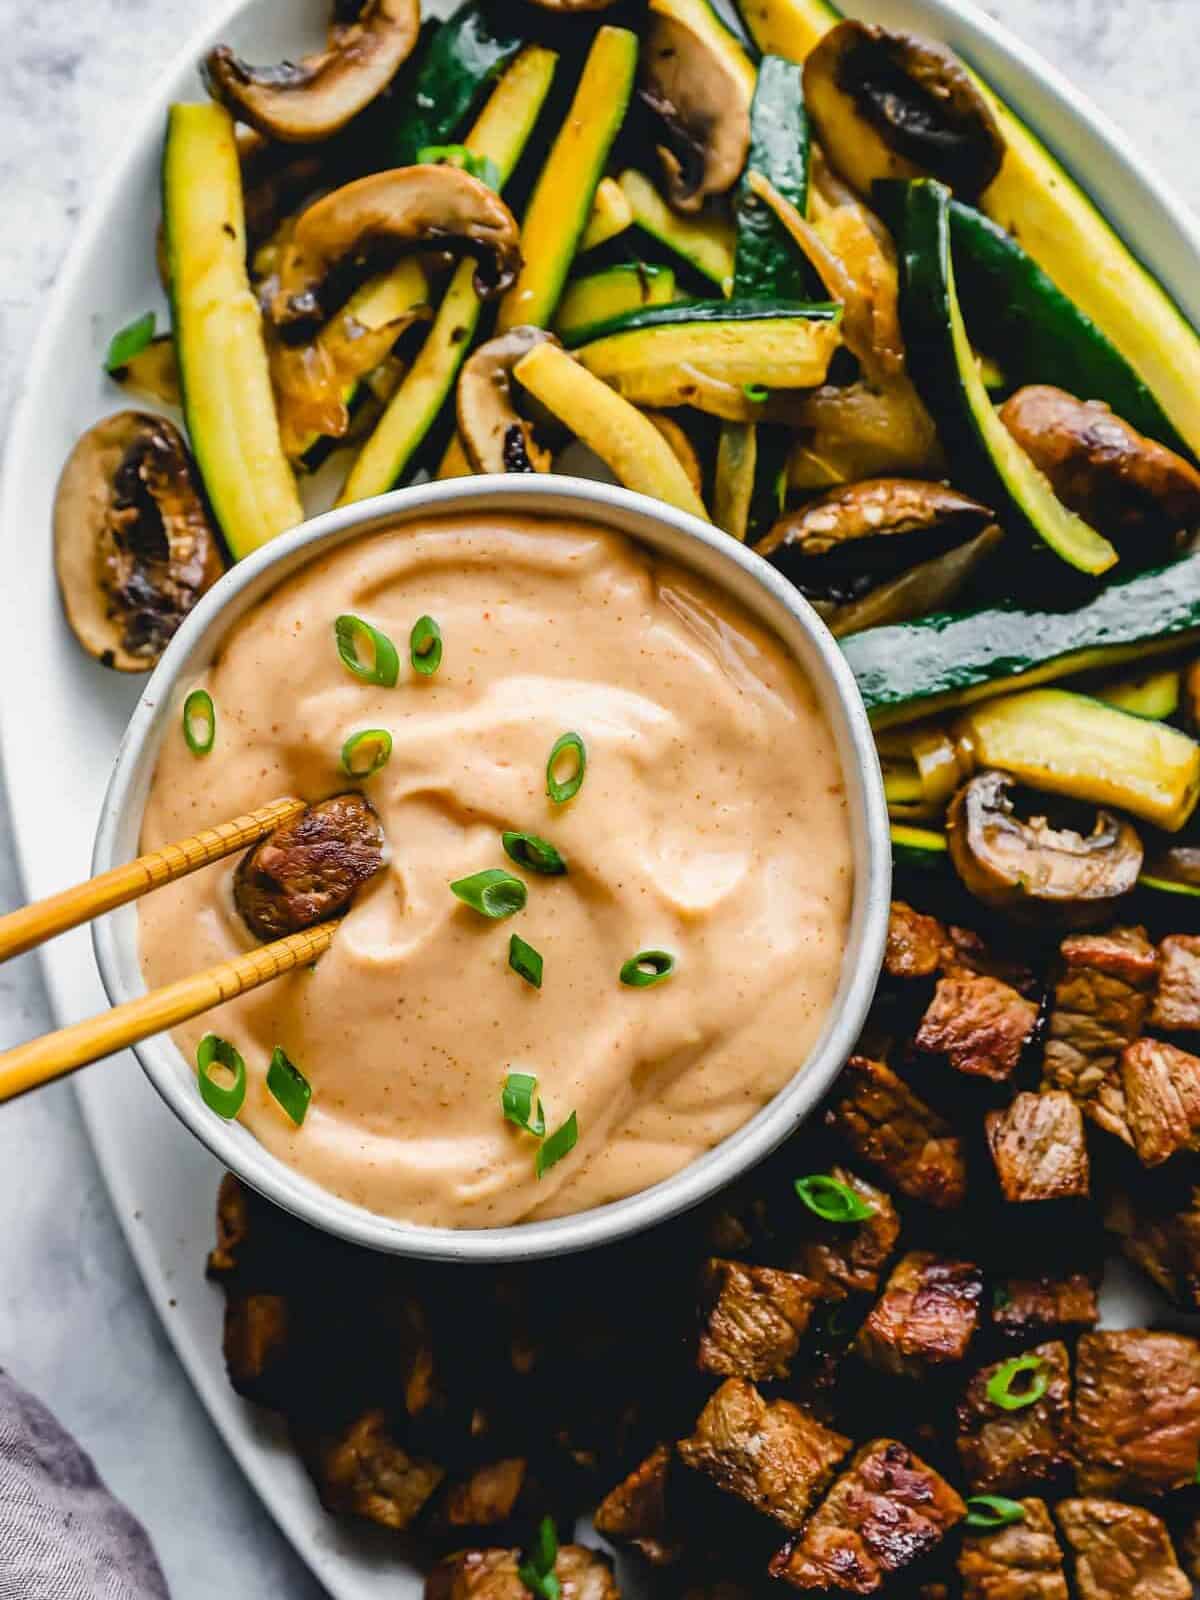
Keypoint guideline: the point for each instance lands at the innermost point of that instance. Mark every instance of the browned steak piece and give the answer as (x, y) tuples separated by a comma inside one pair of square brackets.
[(971, 954), (926, 1316), (582, 1574), (361, 1471), (917, 945), (1029, 1310), (483, 1497), (774, 1456), (752, 1319), (885, 1513), (233, 1227), (887, 1125), (1162, 1099), (635, 1512), (1012, 1451), (1038, 1147), (1020, 1562), (845, 1258), (308, 870), (1189, 1547), (1121, 1552), (979, 1024), (256, 1341), (1162, 1236), (1100, 1003), (1137, 1411), (1176, 1007)]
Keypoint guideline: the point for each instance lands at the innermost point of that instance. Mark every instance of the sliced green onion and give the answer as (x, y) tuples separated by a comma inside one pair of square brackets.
[(537, 1574), (533, 853), (369, 654), (457, 155), (525, 961), (493, 893), (224, 1098), (756, 393), (647, 968), (289, 1086), (831, 1199), (516, 1101), (199, 722), (993, 1511), (129, 341), (363, 754), (1000, 1389), (560, 1143), (562, 790), (425, 646)]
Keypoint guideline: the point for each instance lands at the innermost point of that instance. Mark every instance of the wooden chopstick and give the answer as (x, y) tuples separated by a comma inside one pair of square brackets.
[(28, 1066), (33, 924)]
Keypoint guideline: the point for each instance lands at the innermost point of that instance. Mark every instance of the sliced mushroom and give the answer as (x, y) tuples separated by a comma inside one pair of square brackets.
[(308, 100), (153, 373), (1031, 869), (495, 436), (692, 87), (309, 869), (277, 178), (340, 238), (133, 545), (890, 105), (1137, 493)]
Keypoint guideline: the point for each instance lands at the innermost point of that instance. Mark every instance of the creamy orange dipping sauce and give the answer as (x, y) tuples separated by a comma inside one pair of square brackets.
[(712, 823)]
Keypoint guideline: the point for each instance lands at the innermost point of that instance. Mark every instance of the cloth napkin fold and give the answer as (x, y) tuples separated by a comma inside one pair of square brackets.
[(62, 1535)]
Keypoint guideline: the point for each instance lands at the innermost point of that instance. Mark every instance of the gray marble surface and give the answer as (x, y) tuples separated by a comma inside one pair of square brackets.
[(74, 1323)]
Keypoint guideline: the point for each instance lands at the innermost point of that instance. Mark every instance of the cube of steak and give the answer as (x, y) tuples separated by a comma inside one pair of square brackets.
[(979, 1024), (926, 1317), (970, 954), (1038, 1147), (1121, 1552), (485, 1496), (773, 1456), (1176, 1007), (1014, 1451), (256, 1342), (1162, 1237), (1100, 1003), (1029, 1310), (886, 1124), (635, 1512), (1137, 1411), (885, 1513), (917, 945), (233, 1227), (1189, 1547), (845, 1258), (1162, 1099), (583, 1574), (361, 1471), (752, 1319), (1021, 1562)]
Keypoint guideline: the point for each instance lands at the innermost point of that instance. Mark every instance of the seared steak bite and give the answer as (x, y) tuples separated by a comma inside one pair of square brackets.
[(886, 1512), (308, 870), (979, 1024), (1012, 1451), (752, 1319), (1161, 1235), (1121, 1552), (1162, 1099), (1020, 1562), (635, 1512), (1029, 1310), (233, 1227), (845, 1258), (1100, 1004), (361, 1471), (582, 1574), (484, 1497), (969, 953), (1038, 1147), (1137, 1411), (1176, 1007), (926, 1316), (917, 946), (887, 1125), (774, 1456), (257, 1330)]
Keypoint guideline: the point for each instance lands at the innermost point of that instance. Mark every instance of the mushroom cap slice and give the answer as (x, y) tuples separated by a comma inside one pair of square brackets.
[(305, 101), (692, 87), (1032, 870), (134, 548), (338, 239), (494, 435)]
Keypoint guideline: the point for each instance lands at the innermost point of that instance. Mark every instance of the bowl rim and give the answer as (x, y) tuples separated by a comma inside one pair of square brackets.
[(770, 598)]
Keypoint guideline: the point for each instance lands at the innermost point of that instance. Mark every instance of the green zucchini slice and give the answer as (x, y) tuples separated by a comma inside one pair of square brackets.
[(602, 296), (462, 57), (767, 264), (706, 243), (788, 28), (1151, 694), (712, 314)]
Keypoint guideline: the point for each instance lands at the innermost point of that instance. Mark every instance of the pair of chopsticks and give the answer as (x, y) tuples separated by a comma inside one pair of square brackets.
[(28, 1066)]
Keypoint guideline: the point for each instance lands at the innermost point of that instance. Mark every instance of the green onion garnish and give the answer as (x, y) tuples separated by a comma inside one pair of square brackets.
[(756, 393), (533, 853), (537, 1574), (289, 1086), (379, 663), (525, 961), (993, 1511), (199, 722), (425, 646), (832, 1200), (647, 968), (457, 155), (224, 1098), (363, 754), (560, 1143), (129, 341), (562, 790), (493, 893), (1000, 1389), (516, 1101)]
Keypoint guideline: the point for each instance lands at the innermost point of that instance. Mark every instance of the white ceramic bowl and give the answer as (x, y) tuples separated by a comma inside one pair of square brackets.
[(671, 533)]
